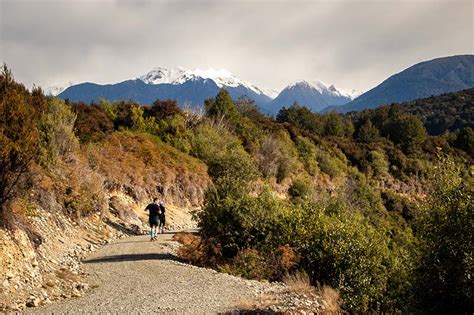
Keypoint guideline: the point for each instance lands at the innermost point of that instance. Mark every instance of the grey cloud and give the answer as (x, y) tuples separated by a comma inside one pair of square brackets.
[(354, 44)]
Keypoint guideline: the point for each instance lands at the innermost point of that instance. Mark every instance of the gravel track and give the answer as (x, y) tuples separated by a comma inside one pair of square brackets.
[(134, 275)]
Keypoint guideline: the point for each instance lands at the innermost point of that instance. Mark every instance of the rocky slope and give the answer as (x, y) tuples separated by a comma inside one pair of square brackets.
[(85, 201)]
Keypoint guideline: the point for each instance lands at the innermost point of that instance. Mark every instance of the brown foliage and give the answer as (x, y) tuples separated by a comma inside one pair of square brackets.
[(197, 251), (19, 114), (163, 109), (92, 123), (143, 165)]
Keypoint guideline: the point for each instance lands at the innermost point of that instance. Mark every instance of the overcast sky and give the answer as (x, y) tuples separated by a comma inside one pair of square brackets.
[(353, 44)]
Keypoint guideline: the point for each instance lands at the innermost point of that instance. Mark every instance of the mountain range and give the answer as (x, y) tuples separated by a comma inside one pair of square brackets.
[(191, 87), (315, 95), (425, 79)]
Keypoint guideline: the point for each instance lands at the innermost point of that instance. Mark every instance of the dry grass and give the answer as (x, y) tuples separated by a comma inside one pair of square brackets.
[(142, 163), (299, 283), (331, 300)]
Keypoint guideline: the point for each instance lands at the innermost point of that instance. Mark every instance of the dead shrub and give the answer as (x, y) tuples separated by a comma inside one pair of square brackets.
[(280, 262), (185, 238), (197, 251)]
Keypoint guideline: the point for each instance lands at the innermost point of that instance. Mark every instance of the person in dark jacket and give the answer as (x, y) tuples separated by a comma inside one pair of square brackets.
[(162, 217), (153, 218)]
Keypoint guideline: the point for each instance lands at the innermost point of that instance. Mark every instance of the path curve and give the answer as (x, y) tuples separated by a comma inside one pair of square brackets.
[(135, 275)]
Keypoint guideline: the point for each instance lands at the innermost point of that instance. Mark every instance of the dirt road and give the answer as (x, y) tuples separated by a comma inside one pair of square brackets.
[(135, 275)]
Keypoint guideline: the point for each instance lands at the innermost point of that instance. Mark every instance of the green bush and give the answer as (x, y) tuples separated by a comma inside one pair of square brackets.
[(330, 165), (222, 152), (300, 189), (239, 220), (444, 281), (346, 252), (56, 128), (307, 152), (378, 163)]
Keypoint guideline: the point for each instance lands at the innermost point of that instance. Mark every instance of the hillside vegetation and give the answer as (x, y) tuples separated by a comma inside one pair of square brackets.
[(372, 205)]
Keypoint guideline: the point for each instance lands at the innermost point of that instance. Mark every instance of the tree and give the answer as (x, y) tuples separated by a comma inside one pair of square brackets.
[(465, 140), (248, 108), (93, 122), (19, 135), (406, 130), (368, 133), (56, 129), (334, 125), (163, 109), (221, 107)]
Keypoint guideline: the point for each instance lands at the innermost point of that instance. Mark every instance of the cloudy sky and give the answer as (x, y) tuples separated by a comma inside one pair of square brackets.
[(353, 43)]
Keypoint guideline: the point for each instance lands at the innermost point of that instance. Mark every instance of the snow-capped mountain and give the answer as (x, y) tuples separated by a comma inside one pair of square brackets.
[(187, 87), (314, 94), (221, 77), (192, 87)]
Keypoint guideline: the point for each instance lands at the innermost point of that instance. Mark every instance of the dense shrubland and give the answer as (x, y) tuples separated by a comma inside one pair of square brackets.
[(370, 203)]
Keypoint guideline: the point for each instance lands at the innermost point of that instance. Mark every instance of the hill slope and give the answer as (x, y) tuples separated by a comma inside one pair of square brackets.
[(434, 77)]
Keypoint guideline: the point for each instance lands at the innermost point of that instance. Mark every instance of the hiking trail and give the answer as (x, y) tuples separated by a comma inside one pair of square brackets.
[(135, 275)]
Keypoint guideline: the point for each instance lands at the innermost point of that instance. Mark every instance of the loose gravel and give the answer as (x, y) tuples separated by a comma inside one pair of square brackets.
[(134, 275)]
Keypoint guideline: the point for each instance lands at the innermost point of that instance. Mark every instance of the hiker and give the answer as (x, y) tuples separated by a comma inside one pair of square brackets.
[(162, 217), (153, 218)]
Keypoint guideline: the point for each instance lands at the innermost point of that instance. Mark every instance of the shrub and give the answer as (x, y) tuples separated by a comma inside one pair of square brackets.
[(248, 263), (163, 109), (198, 251), (368, 133), (56, 128), (344, 251), (445, 226), (330, 165), (300, 189), (307, 153), (222, 152), (92, 122), (378, 163), (238, 220), (19, 136)]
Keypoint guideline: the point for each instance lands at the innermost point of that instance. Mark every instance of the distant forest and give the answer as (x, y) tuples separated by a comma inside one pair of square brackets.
[(446, 112)]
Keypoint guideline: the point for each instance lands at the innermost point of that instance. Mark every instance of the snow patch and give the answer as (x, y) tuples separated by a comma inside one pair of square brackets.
[(180, 75), (324, 89)]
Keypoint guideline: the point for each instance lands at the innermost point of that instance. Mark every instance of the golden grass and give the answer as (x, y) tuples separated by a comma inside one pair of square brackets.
[(299, 283), (331, 300)]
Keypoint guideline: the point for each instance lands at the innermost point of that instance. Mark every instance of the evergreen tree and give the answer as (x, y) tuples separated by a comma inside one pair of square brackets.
[(221, 106)]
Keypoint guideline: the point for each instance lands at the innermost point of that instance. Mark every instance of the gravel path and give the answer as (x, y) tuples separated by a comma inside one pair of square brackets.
[(135, 275)]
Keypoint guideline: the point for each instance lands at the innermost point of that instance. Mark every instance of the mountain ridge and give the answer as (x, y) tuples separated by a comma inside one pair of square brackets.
[(424, 79)]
